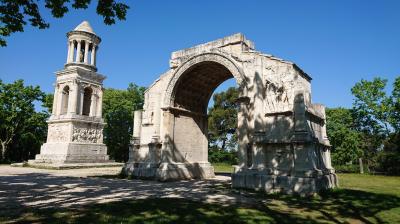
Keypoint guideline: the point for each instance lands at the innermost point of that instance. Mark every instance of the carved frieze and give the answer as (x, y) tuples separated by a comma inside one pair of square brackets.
[(87, 134)]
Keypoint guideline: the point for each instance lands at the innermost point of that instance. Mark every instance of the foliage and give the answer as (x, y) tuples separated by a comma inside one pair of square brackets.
[(377, 118), (118, 107), (377, 112), (216, 155), (389, 162), (345, 140), (222, 120), (22, 129), (14, 14), (347, 168)]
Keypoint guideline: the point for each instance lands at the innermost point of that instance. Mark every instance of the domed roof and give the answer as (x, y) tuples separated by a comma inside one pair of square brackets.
[(84, 26)]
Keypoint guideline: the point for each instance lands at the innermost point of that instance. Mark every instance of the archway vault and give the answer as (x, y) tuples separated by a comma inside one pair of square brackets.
[(206, 70)]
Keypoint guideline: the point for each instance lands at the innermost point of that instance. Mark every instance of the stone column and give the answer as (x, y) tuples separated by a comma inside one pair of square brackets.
[(99, 104), (59, 99), (92, 112), (242, 131), (85, 60), (72, 48), (157, 118), (54, 109), (73, 98), (93, 57), (137, 123), (78, 52), (82, 91), (168, 141), (69, 51)]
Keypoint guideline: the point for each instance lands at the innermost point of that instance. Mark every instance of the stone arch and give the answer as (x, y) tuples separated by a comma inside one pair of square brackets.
[(64, 99), (185, 106), (87, 101), (211, 57)]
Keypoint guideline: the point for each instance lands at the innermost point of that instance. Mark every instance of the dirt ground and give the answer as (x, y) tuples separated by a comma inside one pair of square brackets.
[(22, 187)]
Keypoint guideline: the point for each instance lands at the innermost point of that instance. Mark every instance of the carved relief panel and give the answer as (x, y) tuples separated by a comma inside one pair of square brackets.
[(58, 132), (279, 85), (87, 133)]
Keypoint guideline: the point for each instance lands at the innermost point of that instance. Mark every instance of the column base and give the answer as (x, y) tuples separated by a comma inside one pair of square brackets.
[(169, 171), (68, 152), (258, 180)]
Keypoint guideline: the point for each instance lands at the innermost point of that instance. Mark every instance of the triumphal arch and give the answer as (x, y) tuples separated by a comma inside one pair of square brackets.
[(282, 141)]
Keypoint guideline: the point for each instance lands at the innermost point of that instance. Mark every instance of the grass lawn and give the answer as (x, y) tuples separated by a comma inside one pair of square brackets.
[(360, 199), (222, 168)]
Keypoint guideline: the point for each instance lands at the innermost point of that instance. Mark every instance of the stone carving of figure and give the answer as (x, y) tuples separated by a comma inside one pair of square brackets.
[(278, 87)]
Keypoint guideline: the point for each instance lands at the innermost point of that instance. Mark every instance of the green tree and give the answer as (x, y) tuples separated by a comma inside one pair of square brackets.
[(377, 116), (118, 107), (373, 107), (222, 119), (19, 122), (15, 14), (344, 138)]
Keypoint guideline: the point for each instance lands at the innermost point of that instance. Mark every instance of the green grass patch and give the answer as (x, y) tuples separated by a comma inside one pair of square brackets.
[(222, 168)]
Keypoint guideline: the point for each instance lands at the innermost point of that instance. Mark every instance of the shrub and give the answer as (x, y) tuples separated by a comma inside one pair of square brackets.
[(348, 168), (389, 162), (216, 155)]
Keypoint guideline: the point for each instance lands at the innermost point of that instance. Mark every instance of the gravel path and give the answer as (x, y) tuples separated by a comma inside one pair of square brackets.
[(22, 187)]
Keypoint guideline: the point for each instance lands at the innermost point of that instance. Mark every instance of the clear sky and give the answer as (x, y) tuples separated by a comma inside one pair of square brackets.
[(336, 42)]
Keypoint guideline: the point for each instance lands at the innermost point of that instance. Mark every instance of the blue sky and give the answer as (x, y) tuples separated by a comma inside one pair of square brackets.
[(336, 42)]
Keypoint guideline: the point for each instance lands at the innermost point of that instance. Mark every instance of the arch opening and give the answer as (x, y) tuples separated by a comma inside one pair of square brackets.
[(192, 94), (87, 101), (64, 100)]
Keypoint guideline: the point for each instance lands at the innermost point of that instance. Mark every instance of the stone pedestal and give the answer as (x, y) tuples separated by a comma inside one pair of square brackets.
[(260, 180), (73, 141)]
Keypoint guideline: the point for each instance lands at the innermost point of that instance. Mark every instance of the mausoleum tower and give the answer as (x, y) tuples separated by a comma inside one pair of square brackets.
[(82, 47), (75, 128)]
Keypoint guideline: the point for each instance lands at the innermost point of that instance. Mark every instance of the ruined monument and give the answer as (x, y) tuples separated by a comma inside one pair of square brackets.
[(282, 142), (75, 128)]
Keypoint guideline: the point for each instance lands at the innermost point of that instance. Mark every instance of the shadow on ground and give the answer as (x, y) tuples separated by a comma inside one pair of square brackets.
[(44, 198)]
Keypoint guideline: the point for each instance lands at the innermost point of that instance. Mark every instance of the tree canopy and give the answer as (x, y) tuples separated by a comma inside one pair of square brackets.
[(118, 107), (222, 119), (18, 118), (15, 14)]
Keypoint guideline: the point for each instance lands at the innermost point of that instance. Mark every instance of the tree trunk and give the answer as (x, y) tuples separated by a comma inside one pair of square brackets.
[(3, 150), (223, 145)]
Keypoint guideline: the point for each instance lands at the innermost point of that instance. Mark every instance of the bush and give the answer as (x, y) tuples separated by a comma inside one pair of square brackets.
[(348, 168), (216, 155), (389, 162)]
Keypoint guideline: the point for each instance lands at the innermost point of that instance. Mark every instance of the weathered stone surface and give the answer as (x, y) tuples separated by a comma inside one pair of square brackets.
[(75, 128), (282, 142)]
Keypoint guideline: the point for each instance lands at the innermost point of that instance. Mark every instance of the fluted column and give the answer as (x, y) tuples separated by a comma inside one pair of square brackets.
[(72, 47), (55, 97), (93, 57), (92, 112), (72, 102), (82, 91), (157, 118), (137, 123), (78, 52), (85, 60), (59, 100), (69, 51), (99, 105)]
